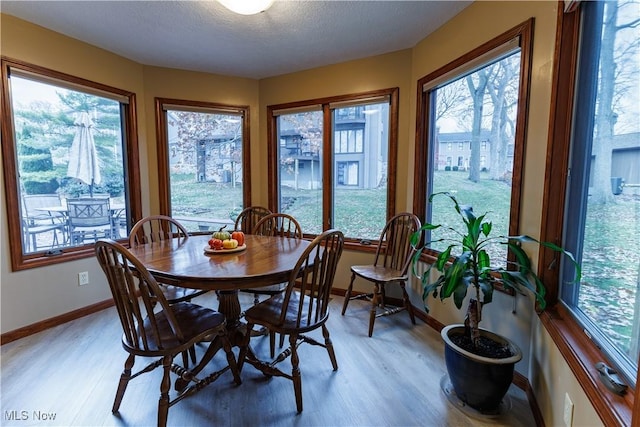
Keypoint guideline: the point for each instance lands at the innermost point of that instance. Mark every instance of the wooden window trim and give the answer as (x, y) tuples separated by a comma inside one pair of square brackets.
[(525, 32), (578, 350), (272, 152), (163, 146), (20, 261)]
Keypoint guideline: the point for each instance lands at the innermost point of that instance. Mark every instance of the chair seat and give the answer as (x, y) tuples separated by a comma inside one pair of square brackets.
[(267, 313), (193, 320), (378, 274)]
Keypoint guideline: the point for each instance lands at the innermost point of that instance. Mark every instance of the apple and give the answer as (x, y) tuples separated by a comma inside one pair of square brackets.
[(230, 243)]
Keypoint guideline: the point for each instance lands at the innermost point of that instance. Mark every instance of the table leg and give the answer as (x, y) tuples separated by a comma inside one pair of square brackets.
[(229, 305)]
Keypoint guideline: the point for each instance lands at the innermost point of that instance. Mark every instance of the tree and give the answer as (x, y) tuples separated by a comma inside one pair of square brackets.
[(503, 90), (477, 84)]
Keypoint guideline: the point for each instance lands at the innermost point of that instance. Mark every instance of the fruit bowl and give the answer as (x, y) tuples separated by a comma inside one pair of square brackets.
[(209, 250)]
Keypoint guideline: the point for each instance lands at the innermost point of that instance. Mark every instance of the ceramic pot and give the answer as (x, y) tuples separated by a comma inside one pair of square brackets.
[(480, 382)]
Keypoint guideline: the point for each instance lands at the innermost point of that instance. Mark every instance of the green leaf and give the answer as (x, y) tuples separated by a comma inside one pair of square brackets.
[(443, 258), (483, 260), (460, 293), (486, 228), (487, 291)]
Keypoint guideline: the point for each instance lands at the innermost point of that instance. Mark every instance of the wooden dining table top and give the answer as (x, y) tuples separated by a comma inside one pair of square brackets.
[(265, 261)]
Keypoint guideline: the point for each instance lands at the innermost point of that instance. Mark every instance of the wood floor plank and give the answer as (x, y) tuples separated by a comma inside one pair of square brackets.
[(392, 379)]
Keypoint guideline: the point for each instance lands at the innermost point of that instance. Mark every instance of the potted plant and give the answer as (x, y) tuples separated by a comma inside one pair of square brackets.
[(479, 362)]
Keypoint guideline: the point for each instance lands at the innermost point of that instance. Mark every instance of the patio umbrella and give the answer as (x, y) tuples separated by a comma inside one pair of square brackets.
[(83, 156)]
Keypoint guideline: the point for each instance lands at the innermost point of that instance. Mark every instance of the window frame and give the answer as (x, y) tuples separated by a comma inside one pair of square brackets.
[(163, 145), (20, 260), (578, 350), (328, 151), (524, 33)]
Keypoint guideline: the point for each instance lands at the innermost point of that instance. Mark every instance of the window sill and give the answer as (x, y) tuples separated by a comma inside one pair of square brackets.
[(581, 356)]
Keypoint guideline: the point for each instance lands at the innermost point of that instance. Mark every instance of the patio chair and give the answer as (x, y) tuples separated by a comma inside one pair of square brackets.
[(390, 266), (89, 218), (153, 328), (37, 219)]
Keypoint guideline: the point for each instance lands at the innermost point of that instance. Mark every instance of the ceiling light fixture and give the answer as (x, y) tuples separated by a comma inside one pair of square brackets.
[(247, 7)]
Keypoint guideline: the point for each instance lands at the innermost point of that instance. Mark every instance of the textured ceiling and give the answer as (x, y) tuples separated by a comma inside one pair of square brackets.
[(204, 36)]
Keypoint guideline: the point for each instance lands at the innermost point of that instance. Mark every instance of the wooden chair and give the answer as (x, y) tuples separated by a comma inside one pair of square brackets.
[(89, 217), (153, 328), (246, 222), (249, 217), (275, 224), (390, 265), (156, 228), (299, 311)]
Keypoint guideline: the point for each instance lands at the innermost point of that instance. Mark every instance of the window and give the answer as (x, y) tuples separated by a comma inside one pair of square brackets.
[(349, 141), (348, 173), (575, 320), (337, 162), (68, 178), (603, 189), (202, 153), (476, 101)]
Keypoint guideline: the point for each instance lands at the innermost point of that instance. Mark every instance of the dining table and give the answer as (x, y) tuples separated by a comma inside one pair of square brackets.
[(190, 263)]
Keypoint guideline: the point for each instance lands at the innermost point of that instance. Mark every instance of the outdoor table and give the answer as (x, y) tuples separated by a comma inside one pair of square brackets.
[(116, 210)]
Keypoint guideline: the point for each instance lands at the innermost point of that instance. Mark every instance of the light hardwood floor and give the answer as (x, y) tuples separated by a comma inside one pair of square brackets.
[(70, 372)]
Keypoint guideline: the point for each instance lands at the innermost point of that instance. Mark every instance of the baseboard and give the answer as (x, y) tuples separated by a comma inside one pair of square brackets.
[(53, 321)]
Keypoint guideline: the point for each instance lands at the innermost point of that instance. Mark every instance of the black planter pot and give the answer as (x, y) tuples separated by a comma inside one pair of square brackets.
[(480, 382)]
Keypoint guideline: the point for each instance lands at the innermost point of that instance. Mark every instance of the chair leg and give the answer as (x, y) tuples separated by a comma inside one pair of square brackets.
[(329, 345), (407, 303), (165, 385), (272, 344), (295, 371), (124, 380), (192, 353), (374, 307), (347, 294)]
